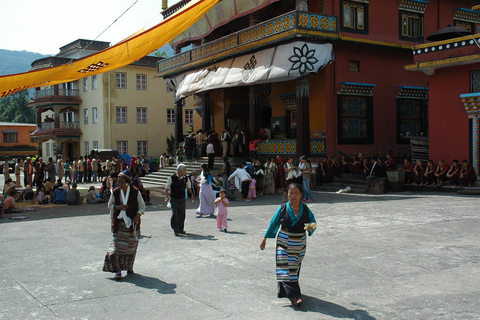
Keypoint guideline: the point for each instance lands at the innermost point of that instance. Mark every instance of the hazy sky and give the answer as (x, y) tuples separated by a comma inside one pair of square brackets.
[(44, 26)]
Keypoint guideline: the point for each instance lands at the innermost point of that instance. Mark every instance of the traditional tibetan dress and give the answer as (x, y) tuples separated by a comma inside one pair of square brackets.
[(291, 246), (122, 251)]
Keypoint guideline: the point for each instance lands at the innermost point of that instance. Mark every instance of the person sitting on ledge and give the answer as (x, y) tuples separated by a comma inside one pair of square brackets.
[(467, 174), (453, 173), (418, 173), (408, 167), (429, 175), (441, 172), (390, 163)]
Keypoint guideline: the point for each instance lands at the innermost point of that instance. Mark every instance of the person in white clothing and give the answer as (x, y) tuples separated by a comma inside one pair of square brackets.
[(242, 181)]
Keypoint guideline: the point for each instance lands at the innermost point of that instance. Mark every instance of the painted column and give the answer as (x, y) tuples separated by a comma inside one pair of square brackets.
[(475, 145), (302, 5), (303, 117), (178, 122), (254, 112)]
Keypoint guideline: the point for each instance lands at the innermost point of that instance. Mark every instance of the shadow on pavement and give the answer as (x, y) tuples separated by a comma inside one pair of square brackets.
[(193, 236), (235, 232), (312, 304), (149, 283)]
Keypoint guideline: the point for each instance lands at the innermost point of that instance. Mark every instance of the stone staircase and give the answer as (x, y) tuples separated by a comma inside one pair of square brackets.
[(159, 178)]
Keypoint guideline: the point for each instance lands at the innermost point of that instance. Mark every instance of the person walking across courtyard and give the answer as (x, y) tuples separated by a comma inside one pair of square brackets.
[(175, 194)]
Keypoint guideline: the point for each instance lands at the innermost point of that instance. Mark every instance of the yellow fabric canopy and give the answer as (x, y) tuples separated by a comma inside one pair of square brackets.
[(119, 55)]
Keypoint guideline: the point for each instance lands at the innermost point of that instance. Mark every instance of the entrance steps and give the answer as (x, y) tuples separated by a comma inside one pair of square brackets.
[(159, 178)]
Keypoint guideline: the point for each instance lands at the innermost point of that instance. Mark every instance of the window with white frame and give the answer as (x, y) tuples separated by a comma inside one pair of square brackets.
[(94, 115), (120, 80), (141, 82), (141, 115), (85, 84), (87, 147), (94, 82), (142, 148), (47, 147), (95, 145), (121, 114), (122, 147), (170, 116), (85, 116), (188, 116), (69, 116)]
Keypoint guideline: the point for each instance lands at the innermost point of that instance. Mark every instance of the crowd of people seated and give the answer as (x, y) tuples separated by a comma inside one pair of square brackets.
[(421, 173)]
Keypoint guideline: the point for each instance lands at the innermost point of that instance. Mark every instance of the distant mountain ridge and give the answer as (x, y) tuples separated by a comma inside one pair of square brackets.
[(21, 61), (17, 61)]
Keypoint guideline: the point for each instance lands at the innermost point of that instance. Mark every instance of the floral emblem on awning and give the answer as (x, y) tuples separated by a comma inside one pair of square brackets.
[(303, 59)]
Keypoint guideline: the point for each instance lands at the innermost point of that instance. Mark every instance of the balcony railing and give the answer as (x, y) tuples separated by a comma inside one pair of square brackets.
[(51, 92), (47, 125), (63, 125), (295, 20), (69, 125)]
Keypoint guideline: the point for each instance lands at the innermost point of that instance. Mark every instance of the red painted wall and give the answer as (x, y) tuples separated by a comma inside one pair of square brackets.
[(449, 124), (384, 68), (384, 17)]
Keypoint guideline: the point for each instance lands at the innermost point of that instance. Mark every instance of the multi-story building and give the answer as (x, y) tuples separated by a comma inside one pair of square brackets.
[(127, 109), (16, 140), (452, 64), (325, 76)]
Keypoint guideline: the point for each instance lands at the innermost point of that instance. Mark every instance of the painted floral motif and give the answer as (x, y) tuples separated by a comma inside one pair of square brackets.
[(263, 31), (325, 23), (303, 20), (303, 59), (270, 28)]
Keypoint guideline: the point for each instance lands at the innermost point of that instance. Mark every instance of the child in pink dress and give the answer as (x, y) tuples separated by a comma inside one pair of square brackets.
[(222, 203), (252, 193)]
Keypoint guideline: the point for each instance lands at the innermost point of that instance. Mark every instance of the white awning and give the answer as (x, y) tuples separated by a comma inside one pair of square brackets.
[(222, 13), (281, 63)]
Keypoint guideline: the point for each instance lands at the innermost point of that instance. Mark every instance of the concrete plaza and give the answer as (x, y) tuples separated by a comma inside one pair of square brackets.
[(391, 256)]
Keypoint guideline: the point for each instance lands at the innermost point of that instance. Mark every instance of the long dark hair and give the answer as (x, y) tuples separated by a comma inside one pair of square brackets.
[(206, 171), (227, 164)]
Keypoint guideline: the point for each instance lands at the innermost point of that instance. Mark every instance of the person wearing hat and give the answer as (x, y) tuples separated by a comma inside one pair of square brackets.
[(175, 194), (126, 206)]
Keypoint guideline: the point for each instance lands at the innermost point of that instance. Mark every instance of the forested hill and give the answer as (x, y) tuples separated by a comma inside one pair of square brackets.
[(17, 61)]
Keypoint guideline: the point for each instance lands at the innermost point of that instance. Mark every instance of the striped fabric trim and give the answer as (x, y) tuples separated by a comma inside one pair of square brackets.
[(291, 248)]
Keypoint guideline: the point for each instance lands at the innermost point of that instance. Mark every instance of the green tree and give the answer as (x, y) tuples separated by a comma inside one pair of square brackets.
[(162, 54), (13, 108)]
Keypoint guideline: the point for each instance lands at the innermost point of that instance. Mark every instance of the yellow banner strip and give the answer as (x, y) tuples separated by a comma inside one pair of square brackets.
[(119, 55)]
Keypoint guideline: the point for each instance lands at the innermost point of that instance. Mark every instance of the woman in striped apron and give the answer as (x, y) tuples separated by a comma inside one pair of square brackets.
[(295, 220)]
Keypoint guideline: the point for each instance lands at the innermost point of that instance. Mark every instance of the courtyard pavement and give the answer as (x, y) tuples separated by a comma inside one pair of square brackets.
[(391, 256)]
